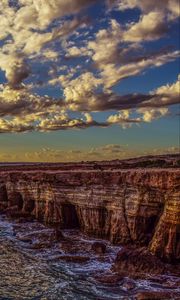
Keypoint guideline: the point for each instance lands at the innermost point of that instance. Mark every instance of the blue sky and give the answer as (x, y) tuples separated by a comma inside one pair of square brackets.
[(87, 80)]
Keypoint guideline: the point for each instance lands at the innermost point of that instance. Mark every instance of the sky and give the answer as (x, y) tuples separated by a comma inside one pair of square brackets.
[(88, 80)]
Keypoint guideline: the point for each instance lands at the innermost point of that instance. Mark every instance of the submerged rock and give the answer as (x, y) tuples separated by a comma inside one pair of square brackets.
[(109, 279), (138, 261), (99, 247), (58, 235), (161, 295)]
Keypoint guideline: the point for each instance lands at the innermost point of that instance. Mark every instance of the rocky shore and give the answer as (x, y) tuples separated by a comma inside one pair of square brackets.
[(137, 208)]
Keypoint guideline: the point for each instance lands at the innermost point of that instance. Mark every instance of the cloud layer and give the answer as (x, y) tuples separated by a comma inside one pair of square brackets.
[(104, 152), (53, 44)]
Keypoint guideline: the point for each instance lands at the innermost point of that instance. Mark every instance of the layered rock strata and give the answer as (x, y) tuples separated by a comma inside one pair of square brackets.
[(126, 206)]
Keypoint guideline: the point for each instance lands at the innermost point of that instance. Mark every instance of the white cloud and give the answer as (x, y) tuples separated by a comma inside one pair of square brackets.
[(166, 6), (151, 26), (23, 27), (46, 43), (169, 89), (123, 119), (79, 91), (15, 67), (75, 51), (105, 46), (112, 74), (152, 114)]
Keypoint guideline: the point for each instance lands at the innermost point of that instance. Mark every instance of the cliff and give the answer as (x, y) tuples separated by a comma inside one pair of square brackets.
[(127, 206)]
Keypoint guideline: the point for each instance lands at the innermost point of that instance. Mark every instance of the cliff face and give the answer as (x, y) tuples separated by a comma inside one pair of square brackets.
[(132, 206)]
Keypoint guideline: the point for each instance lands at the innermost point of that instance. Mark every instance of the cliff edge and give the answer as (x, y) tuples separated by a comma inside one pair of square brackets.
[(130, 206)]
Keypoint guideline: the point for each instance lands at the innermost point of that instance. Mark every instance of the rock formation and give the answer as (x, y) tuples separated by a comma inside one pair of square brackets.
[(127, 206)]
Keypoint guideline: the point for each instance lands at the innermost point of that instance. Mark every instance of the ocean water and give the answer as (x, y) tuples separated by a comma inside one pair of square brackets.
[(31, 272)]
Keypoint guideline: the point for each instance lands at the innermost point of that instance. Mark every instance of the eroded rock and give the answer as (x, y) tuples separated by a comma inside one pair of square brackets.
[(126, 206), (137, 261), (161, 295), (99, 247)]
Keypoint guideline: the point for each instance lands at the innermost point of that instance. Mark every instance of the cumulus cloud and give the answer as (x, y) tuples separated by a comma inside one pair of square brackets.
[(36, 41), (22, 102), (169, 89), (123, 119), (64, 122), (105, 46), (15, 67), (165, 95), (154, 19), (112, 73), (150, 27), (146, 115), (79, 92), (38, 14), (115, 50), (167, 6), (22, 111), (74, 51), (152, 114), (24, 27), (53, 45)]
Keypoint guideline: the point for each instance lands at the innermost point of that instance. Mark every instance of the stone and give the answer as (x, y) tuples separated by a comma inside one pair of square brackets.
[(147, 295), (129, 284), (109, 279), (137, 261), (41, 245), (99, 247), (58, 235)]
